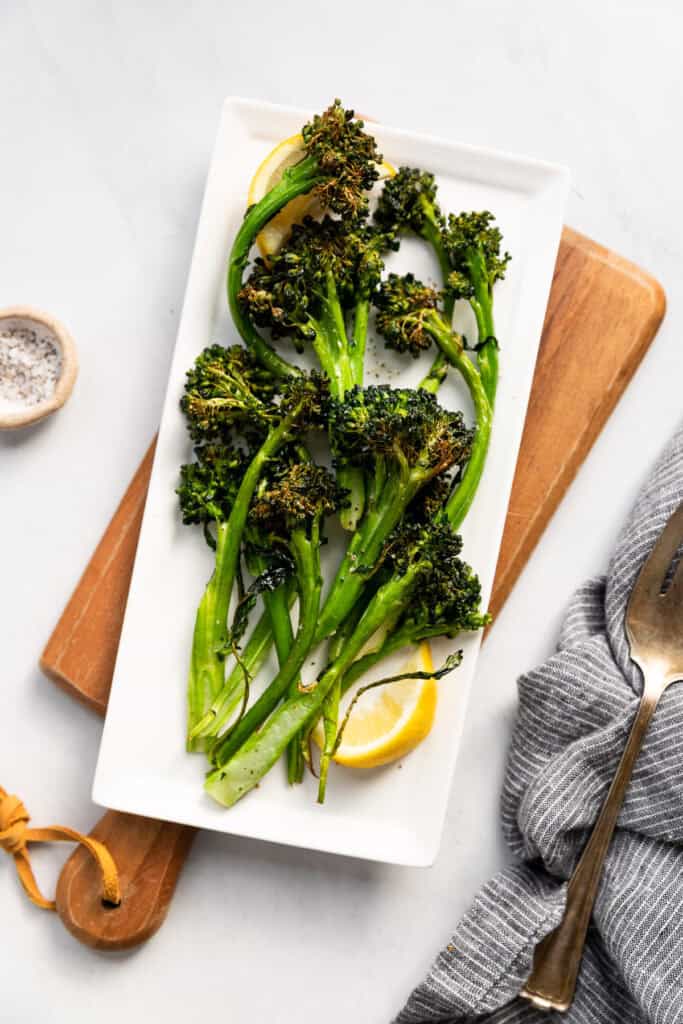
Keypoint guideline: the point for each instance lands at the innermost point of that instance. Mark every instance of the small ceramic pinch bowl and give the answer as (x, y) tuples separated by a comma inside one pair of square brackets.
[(49, 334)]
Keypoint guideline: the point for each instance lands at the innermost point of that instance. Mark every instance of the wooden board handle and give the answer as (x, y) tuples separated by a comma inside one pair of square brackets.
[(149, 856), (80, 657), (602, 315)]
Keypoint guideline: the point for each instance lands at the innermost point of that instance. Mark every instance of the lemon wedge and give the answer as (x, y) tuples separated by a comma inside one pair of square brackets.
[(268, 174), (388, 722)]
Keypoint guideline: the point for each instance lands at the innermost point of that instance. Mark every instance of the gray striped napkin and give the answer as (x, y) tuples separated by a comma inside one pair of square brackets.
[(574, 715)]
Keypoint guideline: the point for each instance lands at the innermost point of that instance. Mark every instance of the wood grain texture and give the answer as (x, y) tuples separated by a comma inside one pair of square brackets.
[(81, 652), (149, 856), (602, 315)]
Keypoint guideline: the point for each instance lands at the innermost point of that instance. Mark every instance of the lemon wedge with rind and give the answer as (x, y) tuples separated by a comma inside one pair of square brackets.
[(388, 722), (269, 172)]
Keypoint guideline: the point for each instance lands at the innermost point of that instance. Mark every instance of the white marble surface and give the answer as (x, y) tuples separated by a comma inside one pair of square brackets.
[(108, 114)]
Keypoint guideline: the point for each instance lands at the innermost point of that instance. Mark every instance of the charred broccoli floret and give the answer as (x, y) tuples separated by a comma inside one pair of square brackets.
[(402, 438), (468, 249), (288, 511), (448, 599), (408, 318), (473, 246), (227, 388), (302, 404), (341, 157), (408, 203), (306, 289), (327, 271), (340, 166), (408, 314), (208, 487), (428, 504), (400, 428), (298, 496)]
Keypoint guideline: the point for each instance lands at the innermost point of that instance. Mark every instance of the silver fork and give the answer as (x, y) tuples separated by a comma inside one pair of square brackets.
[(654, 628)]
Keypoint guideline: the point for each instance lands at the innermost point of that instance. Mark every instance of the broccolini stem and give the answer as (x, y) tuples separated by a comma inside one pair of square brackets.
[(431, 232), (335, 357), (459, 503), (487, 349), (206, 671), (330, 344), (330, 709), (295, 757), (295, 761), (364, 550), (393, 642), (436, 376), (351, 478), (337, 644), (238, 518), (360, 336), (253, 656), (451, 344), (278, 612), (230, 782), (376, 484), (335, 328), (277, 604), (296, 181), (487, 357), (325, 356), (330, 706), (307, 560), (207, 663)]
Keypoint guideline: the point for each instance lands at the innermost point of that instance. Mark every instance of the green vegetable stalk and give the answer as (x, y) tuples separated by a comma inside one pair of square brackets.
[(406, 470), (289, 510), (339, 167), (224, 390)]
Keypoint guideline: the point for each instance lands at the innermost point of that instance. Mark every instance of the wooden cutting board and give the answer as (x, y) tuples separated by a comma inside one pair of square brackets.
[(602, 315)]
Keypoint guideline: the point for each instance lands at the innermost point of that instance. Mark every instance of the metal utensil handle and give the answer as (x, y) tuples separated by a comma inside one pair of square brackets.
[(557, 957)]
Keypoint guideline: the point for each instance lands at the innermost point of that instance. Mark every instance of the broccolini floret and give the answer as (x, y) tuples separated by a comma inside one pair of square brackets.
[(208, 487), (408, 203), (403, 439), (401, 427), (217, 402), (405, 310), (226, 389), (340, 166), (288, 512), (326, 273), (296, 497), (473, 246), (409, 315), (305, 290)]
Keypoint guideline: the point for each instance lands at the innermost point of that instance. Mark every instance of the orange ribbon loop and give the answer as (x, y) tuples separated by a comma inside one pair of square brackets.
[(15, 835)]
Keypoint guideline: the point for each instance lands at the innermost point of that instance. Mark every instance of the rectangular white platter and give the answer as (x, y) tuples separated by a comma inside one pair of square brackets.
[(393, 814)]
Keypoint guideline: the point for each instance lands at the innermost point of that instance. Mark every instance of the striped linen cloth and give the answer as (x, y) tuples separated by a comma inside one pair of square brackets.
[(574, 715)]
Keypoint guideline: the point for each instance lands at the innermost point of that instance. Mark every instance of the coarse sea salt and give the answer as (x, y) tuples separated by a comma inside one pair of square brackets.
[(30, 365)]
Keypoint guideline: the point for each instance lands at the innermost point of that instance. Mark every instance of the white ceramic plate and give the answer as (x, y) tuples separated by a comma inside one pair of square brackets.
[(393, 814)]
